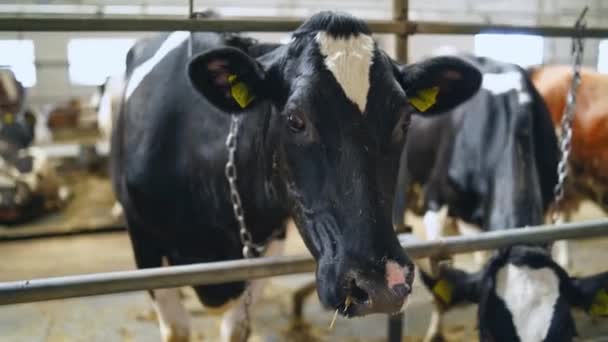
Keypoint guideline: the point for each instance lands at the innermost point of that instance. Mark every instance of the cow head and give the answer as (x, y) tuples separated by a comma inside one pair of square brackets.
[(340, 115), (523, 295)]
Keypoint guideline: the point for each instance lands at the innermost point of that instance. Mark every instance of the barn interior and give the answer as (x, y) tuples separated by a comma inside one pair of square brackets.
[(65, 55)]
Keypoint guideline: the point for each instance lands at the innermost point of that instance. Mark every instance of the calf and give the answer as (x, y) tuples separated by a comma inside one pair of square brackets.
[(523, 295), (323, 120)]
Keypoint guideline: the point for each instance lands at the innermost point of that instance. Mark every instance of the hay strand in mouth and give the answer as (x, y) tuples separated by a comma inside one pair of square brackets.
[(347, 303), (333, 320)]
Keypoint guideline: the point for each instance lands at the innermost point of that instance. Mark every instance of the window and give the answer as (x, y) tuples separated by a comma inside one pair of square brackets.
[(522, 49), (19, 56), (602, 57), (93, 60)]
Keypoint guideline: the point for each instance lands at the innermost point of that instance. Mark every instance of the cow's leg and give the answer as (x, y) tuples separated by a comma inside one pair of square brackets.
[(468, 229), (434, 222), (173, 319), (561, 252), (433, 334), (233, 327), (300, 296)]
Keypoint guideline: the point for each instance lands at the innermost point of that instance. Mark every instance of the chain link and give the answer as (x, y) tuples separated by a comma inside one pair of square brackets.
[(568, 115), (250, 249), (245, 236)]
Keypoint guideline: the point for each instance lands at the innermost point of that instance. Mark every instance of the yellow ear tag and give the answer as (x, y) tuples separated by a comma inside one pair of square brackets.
[(443, 289), (8, 118), (240, 91), (599, 307), (424, 98)]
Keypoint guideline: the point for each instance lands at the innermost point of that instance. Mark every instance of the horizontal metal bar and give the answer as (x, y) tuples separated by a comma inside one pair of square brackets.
[(421, 27), (211, 25), (271, 24), (237, 270)]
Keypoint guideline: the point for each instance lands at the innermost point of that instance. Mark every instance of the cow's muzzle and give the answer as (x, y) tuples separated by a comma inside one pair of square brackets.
[(366, 295)]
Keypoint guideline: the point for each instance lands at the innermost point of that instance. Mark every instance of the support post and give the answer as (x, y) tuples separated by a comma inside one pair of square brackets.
[(400, 13), (395, 327)]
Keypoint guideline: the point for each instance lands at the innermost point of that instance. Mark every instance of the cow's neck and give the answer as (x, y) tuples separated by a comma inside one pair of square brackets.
[(264, 189)]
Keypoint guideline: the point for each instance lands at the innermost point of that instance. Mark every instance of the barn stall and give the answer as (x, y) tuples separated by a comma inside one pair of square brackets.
[(74, 141)]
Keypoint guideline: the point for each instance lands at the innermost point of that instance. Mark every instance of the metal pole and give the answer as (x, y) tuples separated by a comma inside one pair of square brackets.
[(400, 13), (229, 271), (31, 23), (165, 24), (395, 327), (422, 27)]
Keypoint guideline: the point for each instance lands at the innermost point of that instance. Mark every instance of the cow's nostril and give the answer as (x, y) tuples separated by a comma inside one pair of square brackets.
[(358, 294), (402, 290)]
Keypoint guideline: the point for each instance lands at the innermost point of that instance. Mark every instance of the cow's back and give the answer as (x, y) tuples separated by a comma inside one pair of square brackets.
[(167, 137), (590, 126)]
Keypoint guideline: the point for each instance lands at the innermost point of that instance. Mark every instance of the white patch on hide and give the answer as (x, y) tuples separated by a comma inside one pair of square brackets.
[(530, 295), (349, 59), (502, 83), (433, 223), (173, 318), (469, 229), (140, 72)]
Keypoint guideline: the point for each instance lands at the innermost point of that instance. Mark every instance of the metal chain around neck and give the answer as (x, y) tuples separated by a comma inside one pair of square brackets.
[(245, 236), (568, 115), (250, 248)]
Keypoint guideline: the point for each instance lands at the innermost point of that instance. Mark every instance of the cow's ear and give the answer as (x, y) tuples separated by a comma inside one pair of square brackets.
[(438, 84), (590, 294), (228, 78), (453, 286)]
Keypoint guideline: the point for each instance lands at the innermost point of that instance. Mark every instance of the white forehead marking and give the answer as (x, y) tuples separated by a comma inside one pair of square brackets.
[(349, 60), (530, 295), (172, 42), (502, 83)]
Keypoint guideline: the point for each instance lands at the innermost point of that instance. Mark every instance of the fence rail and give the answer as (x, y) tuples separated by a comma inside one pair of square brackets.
[(400, 26), (229, 271)]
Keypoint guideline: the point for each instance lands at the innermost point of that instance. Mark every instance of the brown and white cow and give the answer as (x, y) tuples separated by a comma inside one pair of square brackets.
[(589, 155)]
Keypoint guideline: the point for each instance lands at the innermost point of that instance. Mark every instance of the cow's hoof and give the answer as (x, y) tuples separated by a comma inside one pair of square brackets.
[(175, 334)]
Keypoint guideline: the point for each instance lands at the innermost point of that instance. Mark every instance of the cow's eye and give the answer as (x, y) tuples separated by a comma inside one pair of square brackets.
[(295, 123)]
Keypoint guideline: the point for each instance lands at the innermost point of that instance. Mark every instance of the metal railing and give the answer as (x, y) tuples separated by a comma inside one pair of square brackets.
[(271, 24), (238, 270)]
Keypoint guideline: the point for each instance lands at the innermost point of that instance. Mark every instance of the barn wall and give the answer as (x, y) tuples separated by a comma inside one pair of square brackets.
[(53, 83)]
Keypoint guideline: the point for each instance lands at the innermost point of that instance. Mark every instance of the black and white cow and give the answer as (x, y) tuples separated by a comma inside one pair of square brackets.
[(491, 161), (522, 295), (321, 134), (17, 120)]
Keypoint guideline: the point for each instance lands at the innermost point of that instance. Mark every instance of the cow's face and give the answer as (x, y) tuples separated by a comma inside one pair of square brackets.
[(523, 295), (341, 114)]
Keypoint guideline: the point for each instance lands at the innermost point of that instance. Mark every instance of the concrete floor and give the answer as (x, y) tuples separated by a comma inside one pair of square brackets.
[(129, 317)]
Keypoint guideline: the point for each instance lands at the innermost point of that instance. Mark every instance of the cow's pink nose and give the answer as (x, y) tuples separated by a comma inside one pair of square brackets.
[(388, 295), (395, 274)]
